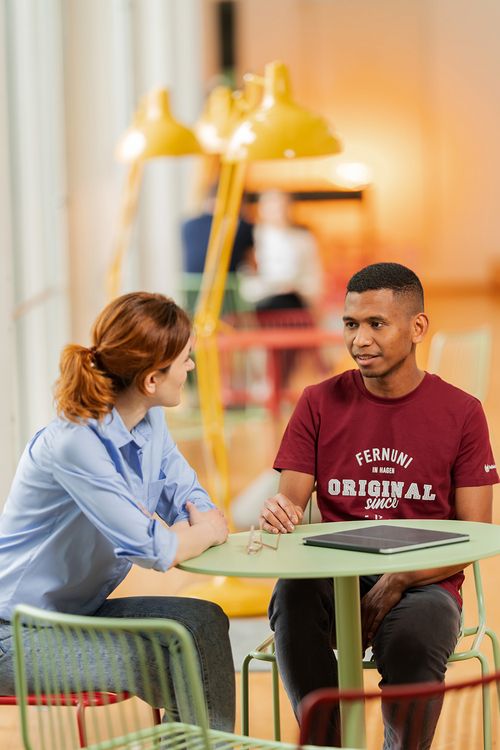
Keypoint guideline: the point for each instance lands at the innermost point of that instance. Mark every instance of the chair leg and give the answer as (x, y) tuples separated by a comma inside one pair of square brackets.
[(495, 645), (276, 701), (487, 740), (80, 720), (244, 695)]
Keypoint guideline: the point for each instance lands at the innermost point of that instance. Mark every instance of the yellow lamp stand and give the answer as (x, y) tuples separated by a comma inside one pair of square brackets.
[(276, 129)]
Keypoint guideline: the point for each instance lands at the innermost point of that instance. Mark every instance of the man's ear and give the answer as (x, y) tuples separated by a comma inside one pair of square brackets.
[(420, 327)]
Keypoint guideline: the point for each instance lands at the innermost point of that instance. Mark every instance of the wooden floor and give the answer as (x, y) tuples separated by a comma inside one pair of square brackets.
[(252, 448)]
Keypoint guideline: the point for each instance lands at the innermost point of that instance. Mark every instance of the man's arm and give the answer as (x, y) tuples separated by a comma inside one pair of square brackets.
[(472, 504), (284, 510)]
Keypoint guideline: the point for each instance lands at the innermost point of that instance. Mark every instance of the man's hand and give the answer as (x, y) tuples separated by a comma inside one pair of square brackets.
[(213, 519), (279, 515), (386, 593)]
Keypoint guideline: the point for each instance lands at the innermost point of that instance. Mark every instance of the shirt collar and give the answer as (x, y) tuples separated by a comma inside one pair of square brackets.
[(114, 428)]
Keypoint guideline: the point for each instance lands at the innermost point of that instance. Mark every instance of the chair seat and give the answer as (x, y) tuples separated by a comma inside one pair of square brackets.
[(71, 699), (188, 737)]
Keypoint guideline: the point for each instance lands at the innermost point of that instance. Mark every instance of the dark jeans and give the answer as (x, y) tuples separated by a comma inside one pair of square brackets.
[(205, 621), (412, 644)]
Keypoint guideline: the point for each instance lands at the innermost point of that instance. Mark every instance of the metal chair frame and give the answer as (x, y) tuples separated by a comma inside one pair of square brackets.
[(185, 723), (80, 702), (408, 703)]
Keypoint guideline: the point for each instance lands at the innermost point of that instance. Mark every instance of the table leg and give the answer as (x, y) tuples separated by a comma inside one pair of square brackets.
[(348, 625)]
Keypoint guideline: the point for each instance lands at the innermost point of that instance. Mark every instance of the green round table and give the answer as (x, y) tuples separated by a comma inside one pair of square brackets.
[(293, 559)]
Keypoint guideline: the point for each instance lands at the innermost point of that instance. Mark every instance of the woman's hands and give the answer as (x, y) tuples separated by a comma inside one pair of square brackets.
[(204, 529), (279, 515), (212, 520)]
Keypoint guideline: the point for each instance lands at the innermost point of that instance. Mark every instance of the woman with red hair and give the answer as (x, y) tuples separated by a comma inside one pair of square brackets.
[(92, 486)]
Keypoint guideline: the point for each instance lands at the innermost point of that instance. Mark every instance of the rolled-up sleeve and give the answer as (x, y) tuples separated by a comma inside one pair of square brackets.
[(181, 485), (84, 469)]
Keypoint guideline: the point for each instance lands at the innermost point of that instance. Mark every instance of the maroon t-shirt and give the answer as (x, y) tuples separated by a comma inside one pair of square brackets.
[(376, 458)]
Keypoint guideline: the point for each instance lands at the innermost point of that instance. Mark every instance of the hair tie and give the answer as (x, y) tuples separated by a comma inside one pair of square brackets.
[(93, 352)]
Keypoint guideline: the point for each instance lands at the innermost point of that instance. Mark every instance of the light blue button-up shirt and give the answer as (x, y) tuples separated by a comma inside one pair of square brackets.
[(80, 509)]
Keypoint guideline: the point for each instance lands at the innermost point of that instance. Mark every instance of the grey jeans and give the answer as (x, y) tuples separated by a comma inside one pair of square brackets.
[(412, 644), (205, 621)]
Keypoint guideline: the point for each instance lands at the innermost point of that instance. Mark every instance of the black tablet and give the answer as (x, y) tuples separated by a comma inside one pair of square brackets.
[(385, 539)]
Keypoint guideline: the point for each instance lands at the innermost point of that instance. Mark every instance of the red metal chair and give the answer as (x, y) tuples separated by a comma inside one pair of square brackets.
[(281, 333), (80, 701), (460, 726)]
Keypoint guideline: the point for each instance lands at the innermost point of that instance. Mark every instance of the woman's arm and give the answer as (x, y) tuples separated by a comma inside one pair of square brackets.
[(181, 484), (205, 529), (84, 469)]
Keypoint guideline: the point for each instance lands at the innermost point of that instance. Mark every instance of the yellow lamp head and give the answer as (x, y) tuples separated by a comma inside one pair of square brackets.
[(214, 125), (279, 128), (224, 110), (155, 132)]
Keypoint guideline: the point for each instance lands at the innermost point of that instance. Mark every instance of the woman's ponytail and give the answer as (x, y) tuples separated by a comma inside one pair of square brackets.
[(83, 391), (134, 335)]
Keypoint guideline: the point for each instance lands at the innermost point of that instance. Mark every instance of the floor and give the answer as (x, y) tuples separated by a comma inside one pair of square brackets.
[(250, 457)]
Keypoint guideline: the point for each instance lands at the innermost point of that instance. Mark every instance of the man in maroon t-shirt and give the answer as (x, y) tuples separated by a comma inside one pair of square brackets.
[(385, 441)]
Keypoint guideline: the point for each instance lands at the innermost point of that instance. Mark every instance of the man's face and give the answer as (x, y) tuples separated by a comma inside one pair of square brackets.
[(379, 331)]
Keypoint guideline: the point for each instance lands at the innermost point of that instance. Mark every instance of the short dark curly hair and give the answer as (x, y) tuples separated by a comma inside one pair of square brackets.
[(402, 280)]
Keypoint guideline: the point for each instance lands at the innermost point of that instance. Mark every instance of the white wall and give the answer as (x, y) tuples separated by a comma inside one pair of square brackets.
[(71, 75), (464, 81), (34, 312), (135, 46), (8, 359), (413, 88)]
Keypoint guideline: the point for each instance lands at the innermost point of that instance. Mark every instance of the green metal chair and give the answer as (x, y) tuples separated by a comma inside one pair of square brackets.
[(468, 647), (462, 358), (265, 651), (154, 659), (233, 303)]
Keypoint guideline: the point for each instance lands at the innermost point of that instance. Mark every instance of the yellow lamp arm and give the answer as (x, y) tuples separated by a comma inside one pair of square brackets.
[(206, 319), (128, 211), (224, 225)]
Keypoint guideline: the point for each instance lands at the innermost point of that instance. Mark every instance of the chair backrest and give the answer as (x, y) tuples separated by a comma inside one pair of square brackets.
[(233, 302), (474, 624), (473, 627), (463, 359), (58, 654), (459, 726)]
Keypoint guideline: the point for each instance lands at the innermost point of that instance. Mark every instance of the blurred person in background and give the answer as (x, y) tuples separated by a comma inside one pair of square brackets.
[(287, 273), (196, 232), (285, 283)]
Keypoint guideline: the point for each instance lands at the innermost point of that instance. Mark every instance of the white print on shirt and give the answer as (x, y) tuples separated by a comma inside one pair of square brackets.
[(380, 494), (384, 454), (489, 467)]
